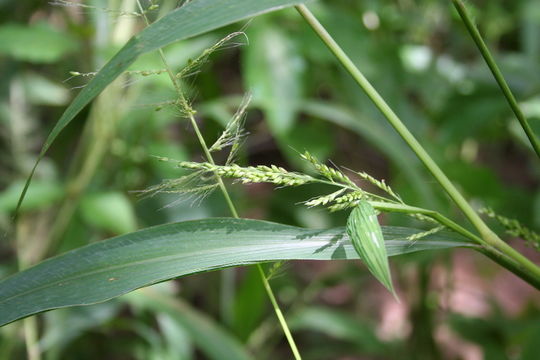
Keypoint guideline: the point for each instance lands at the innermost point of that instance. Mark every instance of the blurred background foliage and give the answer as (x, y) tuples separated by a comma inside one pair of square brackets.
[(455, 305)]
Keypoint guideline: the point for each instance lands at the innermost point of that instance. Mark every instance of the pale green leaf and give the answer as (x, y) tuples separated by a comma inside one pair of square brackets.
[(367, 238), (273, 70), (111, 211), (43, 193), (38, 43)]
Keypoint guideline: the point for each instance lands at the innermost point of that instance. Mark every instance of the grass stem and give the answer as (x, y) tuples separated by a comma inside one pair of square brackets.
[(497, 74)]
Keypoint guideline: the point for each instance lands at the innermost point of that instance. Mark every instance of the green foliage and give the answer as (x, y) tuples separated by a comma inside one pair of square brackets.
[(422, 61), (107, 269), (39, 43), (273, 74), (109, 211)]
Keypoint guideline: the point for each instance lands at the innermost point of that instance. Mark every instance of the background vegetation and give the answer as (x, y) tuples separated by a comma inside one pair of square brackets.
[(418, 54)]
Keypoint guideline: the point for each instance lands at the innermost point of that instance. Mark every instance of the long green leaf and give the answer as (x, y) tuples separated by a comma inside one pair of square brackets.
[(113, 267), (195, 18)]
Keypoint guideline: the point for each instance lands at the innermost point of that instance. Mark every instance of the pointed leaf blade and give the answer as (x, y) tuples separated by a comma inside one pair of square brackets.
[(113, 267)]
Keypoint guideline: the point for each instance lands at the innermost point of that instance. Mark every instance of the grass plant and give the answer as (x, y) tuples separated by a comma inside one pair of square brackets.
[(141, 258)]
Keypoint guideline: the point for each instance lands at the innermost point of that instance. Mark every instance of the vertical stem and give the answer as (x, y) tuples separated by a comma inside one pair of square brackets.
[(497, 74), (225, 193), (278, 312), (489, 238), (31, 338)]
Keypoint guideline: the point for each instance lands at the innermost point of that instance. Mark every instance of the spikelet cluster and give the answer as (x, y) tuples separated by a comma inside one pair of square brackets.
[(381, 184), (324, 199), (234, 131), (326, 171), (194, 65), (424, 234), (251, 174), (515, 228), (348, 200)]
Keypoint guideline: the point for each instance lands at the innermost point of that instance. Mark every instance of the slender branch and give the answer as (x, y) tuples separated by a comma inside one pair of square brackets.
[(488, 237), (225, 193), (441, 219), (279, 314), (490, 61)]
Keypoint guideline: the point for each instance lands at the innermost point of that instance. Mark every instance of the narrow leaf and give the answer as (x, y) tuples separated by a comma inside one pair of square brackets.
[(367, 238), (103, 270)]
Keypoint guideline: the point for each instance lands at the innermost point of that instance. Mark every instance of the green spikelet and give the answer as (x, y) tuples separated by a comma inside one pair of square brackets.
[(366, 236)]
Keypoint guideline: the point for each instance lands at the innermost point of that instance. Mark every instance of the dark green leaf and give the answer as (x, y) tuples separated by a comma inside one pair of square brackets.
[(110, 268)]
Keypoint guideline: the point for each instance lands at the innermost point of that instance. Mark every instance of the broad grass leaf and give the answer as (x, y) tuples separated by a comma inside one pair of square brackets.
[(106, 269), (367, 238)]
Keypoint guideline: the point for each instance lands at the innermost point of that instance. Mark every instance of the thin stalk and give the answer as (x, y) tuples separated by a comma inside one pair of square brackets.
[(497, 74), (488, 237), (225, 192), (278, 312), (31, 338)]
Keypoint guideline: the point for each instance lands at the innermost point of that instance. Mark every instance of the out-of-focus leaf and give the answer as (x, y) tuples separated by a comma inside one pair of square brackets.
[(313, 134), (531, 346), (42, 91), (172, 151), (39, 43), (249, 304), (179, 343), (106, 269), (273, 71), (486, 333), (367, 238), (43, 193), (339, 325), (110, 211), (63, 326), (209, 337)]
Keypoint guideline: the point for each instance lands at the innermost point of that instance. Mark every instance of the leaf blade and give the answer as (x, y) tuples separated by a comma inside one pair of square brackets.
[(103, 270)]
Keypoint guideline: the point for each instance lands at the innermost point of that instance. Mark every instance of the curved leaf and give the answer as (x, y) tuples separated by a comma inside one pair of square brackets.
[(113, 267), (194, 18)]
